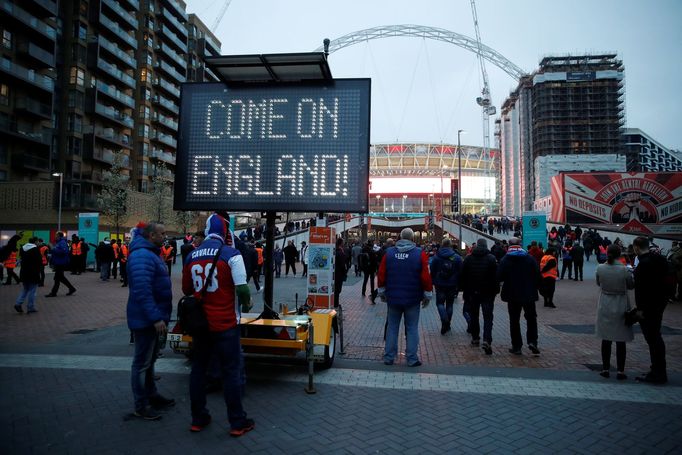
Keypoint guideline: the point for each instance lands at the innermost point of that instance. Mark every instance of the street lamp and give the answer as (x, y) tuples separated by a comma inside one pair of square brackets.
[(61, 183), (442, 210), (459, 184), (404, 197)]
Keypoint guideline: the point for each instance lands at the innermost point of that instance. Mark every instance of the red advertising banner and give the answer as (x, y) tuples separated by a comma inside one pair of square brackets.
[(647, 202)]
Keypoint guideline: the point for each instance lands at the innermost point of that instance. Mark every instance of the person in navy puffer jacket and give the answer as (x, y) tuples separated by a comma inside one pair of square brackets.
[(445, 270), (150, 302), (60, 261)]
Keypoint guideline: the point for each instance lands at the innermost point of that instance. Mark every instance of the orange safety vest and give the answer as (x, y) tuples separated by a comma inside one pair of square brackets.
[(116, 249), (551, 273), (76, 248), (43, 254), (11, 261), (124, 253), (260, 255), (166, 253)]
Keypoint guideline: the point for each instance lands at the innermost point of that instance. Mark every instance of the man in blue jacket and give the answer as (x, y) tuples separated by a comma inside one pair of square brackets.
[(520, 274), (149, 308), (445, 269), (60, 261)]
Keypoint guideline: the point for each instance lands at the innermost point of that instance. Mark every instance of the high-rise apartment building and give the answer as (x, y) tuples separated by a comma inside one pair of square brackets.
[(106, 74)]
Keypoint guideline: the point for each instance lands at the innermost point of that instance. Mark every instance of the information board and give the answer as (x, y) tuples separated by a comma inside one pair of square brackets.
[(280, 147)]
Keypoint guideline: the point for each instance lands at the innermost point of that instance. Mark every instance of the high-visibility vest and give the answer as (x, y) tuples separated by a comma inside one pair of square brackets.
[(260, 255), (166, 253), (43, 254), (551, 273), (11, 261), (116, 249), (124, 253), (76, 248)]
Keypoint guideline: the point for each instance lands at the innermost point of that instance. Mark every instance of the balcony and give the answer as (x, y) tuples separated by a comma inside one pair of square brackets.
[(114, 114), (178, 10), (112, 92), (172, 54), (28, 19), (31, 162), (110, 135), (11, 127), (33, 107), (170, 71), (27, 75), (167, 86), (115, 51), (135, 4), (165, 139), (38, 55), (166, 157), (167, 104), (116, 73), (167, 33), (45, 8), (117, 31), (121, 13), (166, 121), (170, 18), (211, 45)]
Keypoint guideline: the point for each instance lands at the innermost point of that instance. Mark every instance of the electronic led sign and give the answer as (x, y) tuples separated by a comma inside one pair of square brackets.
[(275, 147)]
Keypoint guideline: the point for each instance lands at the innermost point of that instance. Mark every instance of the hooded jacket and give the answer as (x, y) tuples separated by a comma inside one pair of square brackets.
[(60, 253), (404, 274), (31, 262), (479, 274), (150, 298), (442, 255), (520, 275)]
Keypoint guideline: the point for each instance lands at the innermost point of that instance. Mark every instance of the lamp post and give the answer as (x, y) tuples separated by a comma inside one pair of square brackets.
[(442, 207), (61, 183), (404, 197), (378, 196), (459, 184)]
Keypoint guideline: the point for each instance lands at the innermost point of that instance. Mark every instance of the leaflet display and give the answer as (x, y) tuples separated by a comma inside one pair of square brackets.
[(302, 147)]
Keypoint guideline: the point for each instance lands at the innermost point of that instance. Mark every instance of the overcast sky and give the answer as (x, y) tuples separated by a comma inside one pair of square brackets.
[(425, 90)]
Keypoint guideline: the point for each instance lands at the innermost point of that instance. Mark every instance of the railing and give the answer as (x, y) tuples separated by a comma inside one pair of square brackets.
[(122, 13), (109, 134), (115, 72), (169, 122), (167, 104), (115, 93), (172, 72), (31, 161), (135, 4), (118, 31), (10, 124), (165, 138), (27, 75), (178, 9), (114, 114), (170, 88), (48, 5), (114, 49), (171, 18), (47, 58), (213, 44), (168, 33), (36, 107), (173, 55), (27, 18), (163, 156)]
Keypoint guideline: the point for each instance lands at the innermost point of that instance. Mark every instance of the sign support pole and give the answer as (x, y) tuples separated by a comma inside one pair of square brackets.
[(268, 303)]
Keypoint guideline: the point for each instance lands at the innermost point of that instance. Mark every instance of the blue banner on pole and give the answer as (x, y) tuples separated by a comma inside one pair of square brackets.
[(88, 230), (534, 228)]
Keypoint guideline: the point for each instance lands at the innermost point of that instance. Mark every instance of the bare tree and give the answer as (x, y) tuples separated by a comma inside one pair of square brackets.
[(184, 220), (160, 207), (113, 198)]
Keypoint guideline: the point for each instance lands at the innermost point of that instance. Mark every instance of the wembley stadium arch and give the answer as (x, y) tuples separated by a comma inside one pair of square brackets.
[(434, 164)]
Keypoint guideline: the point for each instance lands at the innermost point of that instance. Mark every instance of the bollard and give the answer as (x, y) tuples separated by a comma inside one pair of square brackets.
[(311, 361), (339, 321)]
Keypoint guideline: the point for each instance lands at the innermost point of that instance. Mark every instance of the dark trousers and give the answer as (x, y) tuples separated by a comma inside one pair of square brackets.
[(486, 304), (338, 286), (368, 276), (567, 264), (11, 274), (606, 355), (651, 329), (114, 268), (578, 270), (124, 273), (278, 269), (42, 275), (293, 267), (256, 277), (547, 288), (169, 264), (60, 278), (515, 323), (305, 269), (226, 345)]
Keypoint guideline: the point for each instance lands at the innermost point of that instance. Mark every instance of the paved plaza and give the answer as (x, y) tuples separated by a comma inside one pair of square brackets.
[(64, 373)]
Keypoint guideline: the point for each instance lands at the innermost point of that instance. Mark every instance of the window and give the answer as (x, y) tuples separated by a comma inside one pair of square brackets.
[(144, 149), (77, 76), (80, 31), (144, 186), (7, 39), (75, 146), (78, 53), (4, 94), (3, 176), (143, 75), (75, 123), (145, 168), (144, 112), (143, 130), (145, 93), (75, 100)]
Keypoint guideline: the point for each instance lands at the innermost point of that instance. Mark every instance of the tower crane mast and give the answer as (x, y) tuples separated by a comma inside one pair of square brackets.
[(487, 109), (221, 14)]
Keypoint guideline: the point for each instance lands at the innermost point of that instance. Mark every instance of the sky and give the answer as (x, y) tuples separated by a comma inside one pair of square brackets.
[(425, 90)]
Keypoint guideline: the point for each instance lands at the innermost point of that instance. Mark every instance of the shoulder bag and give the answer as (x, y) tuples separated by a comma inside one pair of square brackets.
[(191, 315)]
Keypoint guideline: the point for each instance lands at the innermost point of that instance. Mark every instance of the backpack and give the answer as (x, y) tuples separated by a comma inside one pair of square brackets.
[(363, 260), (447, 268)]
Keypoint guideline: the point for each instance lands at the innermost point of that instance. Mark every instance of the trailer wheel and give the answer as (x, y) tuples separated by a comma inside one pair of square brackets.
[(330, 350)]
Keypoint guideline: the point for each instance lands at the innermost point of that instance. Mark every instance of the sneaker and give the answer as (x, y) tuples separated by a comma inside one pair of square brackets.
[(621, 376), (71, 292), (160, 402), (50, 295), (605, 374), (486, 348), (515, 351), (199, 423), (415, 364), (476, 342), (32, 311), (551, 305), (443, 328), (18, 309), (652, 379), (146, 414), (245, 427), (534, 349), (388, 362)]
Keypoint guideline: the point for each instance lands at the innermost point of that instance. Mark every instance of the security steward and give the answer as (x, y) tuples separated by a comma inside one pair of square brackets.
[(123, 259)]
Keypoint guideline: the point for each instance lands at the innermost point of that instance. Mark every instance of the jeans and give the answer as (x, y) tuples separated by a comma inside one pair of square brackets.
[(486, 304), (515, 324), (395, 314), (142, 370), (445, 300), (60, 278), (114, 268), (368, 277), (227, 347), (124, 272), (651, 329), (28, 293), (278, 269), (578, 270), (567, 264), (305, 269), (104, 270)]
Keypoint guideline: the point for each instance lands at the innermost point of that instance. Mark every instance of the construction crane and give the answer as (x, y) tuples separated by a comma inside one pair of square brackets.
[(220, 15), (487, 109)]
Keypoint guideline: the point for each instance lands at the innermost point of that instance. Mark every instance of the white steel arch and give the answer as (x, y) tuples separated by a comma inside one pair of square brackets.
[(434, 33)]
